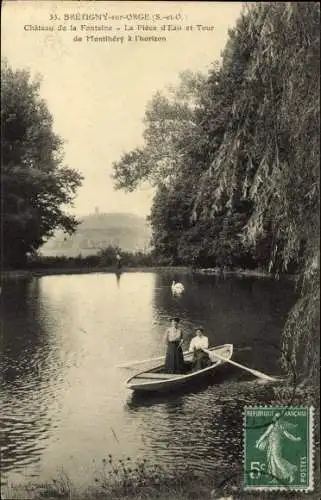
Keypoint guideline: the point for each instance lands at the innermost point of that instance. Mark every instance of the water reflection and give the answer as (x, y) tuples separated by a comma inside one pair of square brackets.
[(29, 374), (64, 400), (118, 275), (203, 429)]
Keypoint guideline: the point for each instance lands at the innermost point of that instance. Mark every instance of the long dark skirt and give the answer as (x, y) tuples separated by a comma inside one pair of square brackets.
[(200, 360), (174, 361)]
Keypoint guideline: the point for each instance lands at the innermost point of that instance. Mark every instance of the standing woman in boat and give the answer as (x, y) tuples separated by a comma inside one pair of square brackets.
[(174, 361)]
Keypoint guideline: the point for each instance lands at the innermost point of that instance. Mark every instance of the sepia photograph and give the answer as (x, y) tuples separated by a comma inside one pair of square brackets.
[(160, 250)]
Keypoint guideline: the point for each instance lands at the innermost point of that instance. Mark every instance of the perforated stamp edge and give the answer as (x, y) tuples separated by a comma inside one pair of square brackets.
[(311, 448)]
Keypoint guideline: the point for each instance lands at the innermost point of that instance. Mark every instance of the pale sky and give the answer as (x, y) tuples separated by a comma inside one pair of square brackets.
[(97, 91)]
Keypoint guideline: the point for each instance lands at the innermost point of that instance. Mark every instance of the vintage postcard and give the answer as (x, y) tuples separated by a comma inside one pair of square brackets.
[(160, 250)]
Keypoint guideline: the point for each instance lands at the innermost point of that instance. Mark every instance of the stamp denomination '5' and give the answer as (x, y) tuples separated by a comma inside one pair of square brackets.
[(278, 448)]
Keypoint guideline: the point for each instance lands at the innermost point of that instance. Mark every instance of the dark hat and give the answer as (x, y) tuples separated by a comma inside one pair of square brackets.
[(174, 318), (199, 328)]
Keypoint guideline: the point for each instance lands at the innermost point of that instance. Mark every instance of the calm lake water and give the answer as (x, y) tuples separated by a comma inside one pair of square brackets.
[(64, 402)]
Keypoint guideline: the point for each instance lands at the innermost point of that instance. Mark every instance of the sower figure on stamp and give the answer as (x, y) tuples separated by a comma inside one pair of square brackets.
[(278, 467)]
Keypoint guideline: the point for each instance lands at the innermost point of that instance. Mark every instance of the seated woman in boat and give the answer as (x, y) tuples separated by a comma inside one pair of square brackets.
[(198, 343), (174, 361)]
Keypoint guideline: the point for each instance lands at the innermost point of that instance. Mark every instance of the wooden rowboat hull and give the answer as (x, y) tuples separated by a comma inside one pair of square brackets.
[(156, 380)]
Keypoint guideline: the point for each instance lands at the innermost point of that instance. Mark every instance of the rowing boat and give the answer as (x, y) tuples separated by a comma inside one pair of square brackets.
[(157, 379)]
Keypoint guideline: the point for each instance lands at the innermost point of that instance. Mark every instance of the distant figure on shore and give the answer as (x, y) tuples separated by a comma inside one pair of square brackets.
[(177, 287), (118, 259), (174, 360), (198, 343)]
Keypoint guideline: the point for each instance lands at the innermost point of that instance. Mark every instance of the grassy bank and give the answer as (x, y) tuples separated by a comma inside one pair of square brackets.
[(121, 479), (161, 492), (146, 482)]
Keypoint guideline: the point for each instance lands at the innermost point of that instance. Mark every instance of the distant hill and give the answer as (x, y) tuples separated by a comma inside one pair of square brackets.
[(128, 231)]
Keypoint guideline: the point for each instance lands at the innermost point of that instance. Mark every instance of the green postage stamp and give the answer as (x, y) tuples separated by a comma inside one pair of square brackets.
[(278, 448)]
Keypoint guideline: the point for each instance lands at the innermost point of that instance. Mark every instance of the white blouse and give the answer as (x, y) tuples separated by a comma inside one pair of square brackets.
[(198, 343), (173, 334)]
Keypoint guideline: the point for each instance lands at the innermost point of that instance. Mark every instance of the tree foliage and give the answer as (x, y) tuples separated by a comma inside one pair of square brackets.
[(236, 161), (170, 129), (270, 149), (35, 185)]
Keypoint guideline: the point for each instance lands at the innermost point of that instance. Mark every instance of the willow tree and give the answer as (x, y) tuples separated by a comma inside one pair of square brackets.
[(268, 152), (36, 186)]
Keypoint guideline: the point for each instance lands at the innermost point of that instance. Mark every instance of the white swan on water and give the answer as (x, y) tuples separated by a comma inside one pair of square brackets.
[(177, 287)]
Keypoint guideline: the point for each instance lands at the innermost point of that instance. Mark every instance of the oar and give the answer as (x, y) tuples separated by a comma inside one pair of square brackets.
[(132, 363), (256, 373)]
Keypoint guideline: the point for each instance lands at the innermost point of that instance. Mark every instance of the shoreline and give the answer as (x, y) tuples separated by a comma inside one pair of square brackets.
[(22, 274), (17, 274), (143, 483), (164, 490)]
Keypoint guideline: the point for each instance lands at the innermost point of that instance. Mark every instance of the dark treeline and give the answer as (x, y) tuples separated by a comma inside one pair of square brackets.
[(35, 184), (105, 258), (234, 157)]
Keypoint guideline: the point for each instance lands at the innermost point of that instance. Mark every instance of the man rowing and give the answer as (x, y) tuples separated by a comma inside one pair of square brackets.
[(198, 343)]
